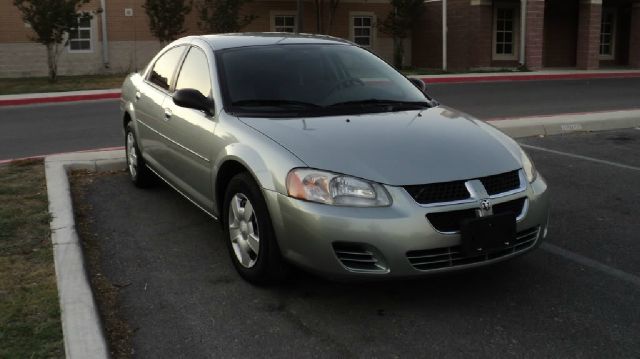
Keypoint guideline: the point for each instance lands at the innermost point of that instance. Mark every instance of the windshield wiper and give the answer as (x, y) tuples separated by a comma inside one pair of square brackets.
[(274, 103), (378, 102)]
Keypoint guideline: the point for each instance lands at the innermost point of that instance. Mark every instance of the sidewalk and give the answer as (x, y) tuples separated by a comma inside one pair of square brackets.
[(530, 76), (72, 96)]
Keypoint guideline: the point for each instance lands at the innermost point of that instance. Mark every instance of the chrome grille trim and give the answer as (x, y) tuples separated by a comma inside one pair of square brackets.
[(448, 257), (477, 192)]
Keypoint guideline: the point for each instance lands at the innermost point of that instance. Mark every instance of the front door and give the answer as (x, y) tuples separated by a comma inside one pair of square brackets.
[(192, 133)]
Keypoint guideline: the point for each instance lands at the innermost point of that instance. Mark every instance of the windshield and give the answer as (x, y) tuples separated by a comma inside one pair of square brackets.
[(313, 80)]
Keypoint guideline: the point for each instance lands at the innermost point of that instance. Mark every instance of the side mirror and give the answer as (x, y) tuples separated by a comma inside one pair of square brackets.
[(419, 84), (191, 98)]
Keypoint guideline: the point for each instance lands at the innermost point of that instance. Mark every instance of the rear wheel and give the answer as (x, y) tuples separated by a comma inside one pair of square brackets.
[(139, 174), (250, 237)]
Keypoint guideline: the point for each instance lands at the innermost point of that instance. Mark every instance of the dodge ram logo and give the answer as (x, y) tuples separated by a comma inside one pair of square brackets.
[(485, 205)]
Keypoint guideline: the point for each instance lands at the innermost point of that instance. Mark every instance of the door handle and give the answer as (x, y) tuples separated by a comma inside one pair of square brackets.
[(138, 95), (167, 114)]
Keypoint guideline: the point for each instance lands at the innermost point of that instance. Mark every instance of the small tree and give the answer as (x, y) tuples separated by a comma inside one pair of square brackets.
[(166, 18), (51, 20), (399, 23), (220, 16)]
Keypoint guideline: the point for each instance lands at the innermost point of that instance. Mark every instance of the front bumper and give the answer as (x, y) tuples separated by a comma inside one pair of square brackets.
[(320, 237)]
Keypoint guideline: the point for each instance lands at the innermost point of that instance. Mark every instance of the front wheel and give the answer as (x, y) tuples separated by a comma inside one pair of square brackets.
[(250, 237), (139, 174)]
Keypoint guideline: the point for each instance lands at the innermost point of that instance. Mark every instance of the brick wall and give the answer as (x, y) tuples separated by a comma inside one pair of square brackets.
[(589, 18), (634, 41), (535, 34), (427, 37), (131, 44), (458, 34), (480, 32)]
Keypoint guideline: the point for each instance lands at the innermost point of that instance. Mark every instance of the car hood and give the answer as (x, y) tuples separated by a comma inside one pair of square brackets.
[(396, 148)]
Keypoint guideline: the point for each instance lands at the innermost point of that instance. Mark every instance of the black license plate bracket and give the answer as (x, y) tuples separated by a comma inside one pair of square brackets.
[(483, 234)]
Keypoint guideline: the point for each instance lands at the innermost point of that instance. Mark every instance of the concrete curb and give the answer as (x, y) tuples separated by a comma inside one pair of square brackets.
[(81, 327), (527, 76), (567, 123), (54, 97)]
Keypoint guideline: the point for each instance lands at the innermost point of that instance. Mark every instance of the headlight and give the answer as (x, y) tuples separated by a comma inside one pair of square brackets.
[(529, 168), (335, 189)]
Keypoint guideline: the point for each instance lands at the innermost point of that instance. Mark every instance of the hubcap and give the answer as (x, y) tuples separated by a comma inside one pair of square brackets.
[(243, 230), (132, 159)]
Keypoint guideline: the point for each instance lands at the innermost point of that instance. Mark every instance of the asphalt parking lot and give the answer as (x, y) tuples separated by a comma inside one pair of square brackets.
[(576, 296)]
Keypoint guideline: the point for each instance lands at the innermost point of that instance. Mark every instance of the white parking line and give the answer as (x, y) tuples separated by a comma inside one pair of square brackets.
[(586, 158), (588, 262)]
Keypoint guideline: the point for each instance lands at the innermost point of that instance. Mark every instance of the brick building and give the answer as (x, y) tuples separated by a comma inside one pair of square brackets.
[(584, 34), (129, 44)]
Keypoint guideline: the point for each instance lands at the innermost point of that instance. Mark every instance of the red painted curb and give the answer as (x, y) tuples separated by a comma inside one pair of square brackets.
[(53, 99), (532, 77)]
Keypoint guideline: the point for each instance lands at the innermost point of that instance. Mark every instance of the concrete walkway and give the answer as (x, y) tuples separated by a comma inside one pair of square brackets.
[(550, 74)]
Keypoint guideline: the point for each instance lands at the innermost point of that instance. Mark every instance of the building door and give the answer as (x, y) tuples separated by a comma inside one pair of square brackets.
[(560, 33)]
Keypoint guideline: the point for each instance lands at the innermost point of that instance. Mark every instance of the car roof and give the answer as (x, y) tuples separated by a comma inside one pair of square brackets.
[(227, 41)]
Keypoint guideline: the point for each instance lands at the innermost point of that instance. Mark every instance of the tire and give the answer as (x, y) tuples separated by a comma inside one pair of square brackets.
[(251, 241), (139, 174)]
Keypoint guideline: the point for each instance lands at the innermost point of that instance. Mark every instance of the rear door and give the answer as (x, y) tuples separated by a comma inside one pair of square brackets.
[(150, 98), (192, 131)]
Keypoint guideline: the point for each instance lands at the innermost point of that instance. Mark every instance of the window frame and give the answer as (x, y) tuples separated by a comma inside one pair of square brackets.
[(515, 43), (78, 28), (288, 13), (182, 61), (170, 90), (612, 44), (373, 30)]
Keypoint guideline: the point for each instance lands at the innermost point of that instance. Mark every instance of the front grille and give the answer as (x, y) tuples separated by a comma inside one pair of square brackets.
[(446, 257), (357, 257), (502, 182), (450, 221), (438, 192), (514, 207)]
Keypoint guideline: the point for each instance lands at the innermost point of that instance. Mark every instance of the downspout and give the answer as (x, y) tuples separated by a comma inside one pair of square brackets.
[(523, 29), (444, 35), (105, 39)]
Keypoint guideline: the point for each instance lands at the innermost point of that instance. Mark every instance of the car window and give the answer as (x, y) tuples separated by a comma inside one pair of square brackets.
[(319, 76), (164, 68), (194, 73)]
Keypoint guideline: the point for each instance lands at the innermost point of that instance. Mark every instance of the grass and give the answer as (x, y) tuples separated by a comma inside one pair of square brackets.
[(10, 86), (29, 310)]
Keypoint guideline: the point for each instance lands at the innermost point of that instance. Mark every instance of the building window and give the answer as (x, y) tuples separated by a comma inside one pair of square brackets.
[(284, 23), (80, 37), (505, 33), (363, 30), (607, 34)]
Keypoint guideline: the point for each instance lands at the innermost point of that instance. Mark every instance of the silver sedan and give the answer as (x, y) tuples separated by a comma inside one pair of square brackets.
[(314, 152)]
